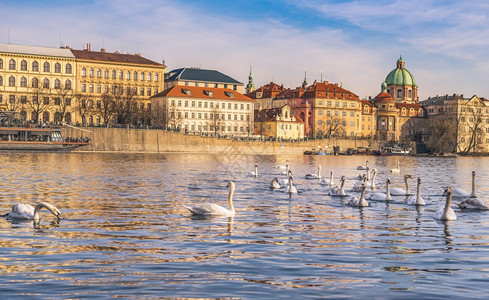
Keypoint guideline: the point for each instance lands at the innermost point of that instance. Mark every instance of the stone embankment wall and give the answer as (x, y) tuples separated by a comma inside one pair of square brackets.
[(159, 141)]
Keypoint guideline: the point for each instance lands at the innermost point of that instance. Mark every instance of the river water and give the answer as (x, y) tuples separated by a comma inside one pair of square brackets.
[(125, 233)]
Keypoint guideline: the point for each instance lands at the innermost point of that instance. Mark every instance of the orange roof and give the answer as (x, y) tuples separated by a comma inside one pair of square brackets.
[(202, 93), (268, 91), (113, 57), (329, 90), (383, 97)]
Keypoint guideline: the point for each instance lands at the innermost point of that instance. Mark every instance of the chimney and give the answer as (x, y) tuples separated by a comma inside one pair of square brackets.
[(88, 47), (102, 50)]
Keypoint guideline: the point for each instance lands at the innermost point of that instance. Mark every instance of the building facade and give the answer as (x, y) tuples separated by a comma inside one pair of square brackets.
[(204, 110), (37, 82), (278, 123)]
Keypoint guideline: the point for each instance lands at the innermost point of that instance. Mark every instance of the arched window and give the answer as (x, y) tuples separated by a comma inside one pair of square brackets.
[(57, 117), (45, 116), (121, 74), (142, 76), (84, 72), (99, 73), (149, 76), (128, 75), (47, 67), (68, 118), (11, 81), (1, 63), (156, 76), (57, 84), (34, 116), (68, 69), (57, 68), (68, 84), (91, 72), (23, 65), (1, 80), (46, 83), (35, 66), (135, 77), (23, 82), (35, 82), (106, 73), (114, 74), (11, 65)]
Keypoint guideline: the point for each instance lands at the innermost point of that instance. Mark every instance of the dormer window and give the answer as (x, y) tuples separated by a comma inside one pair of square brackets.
[(186, 92), (209, 93), (229, 94)]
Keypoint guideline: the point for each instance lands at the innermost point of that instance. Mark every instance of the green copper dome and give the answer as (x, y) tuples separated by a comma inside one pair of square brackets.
[(400, 75)]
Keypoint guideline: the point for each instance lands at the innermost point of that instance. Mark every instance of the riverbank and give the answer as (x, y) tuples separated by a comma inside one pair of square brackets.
[(160, 141)]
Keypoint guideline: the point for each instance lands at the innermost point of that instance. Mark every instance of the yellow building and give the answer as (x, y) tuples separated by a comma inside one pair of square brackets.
[(37, 82), (125, 80), (278, 123), (204, 110)]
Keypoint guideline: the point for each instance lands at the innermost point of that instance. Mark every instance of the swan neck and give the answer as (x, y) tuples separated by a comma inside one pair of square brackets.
[(388, 191), (447, 205), (407, 185), (230, 198), (472, 195), (342, 188)]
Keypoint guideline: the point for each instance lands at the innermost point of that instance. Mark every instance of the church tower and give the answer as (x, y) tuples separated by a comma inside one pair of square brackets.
[(401, 84), (250, 87)]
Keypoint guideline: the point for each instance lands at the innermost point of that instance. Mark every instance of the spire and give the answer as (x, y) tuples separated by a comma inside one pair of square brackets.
[(383, 87), (251, 86), (400, 62), (321, 75), (304, 84)]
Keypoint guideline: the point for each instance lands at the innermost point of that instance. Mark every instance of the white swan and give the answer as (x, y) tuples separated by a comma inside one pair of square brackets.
[(363, 167), (254, 173), (211, 209), (329, 181), (22, 211), (400, 191), (417, 200), (315, 176), (285, 181), (290, 188), (396, 170), (339, 191), (359, 201), (285, 169), (378, 196), (358, 186), (460, 193), (275, 184), (474, 203), (371, 183), (445, 212)]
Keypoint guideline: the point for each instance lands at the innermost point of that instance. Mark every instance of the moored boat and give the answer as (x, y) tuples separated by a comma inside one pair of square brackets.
[(37, 139)]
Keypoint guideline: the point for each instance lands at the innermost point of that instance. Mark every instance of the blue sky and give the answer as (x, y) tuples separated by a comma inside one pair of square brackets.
[(444, 43)]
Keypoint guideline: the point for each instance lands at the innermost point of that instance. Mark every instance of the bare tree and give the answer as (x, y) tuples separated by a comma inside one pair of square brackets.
[(260, 122), (105, 108), (81, 106), (63, 102), (332, 126), (174, 117), (472, 127), (38, 102), (442, 134), (124, 104)]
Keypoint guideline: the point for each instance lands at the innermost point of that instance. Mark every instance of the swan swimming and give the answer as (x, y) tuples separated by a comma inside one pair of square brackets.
[(400, 191), (274, 184), (363, 167), (398, 169), (290, 188), (417, 200), (378, 196), (358, 186), (284, 181), (211, 209), (474, 203), (254, 173), (359, 201), (445, 212), (338, 191), (23, 211), (328, 181), (460, 193), (315, 176)]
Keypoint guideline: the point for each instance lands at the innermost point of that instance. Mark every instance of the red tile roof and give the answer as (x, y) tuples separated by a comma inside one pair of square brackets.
[(329, 90), (383, 97), (268, 91), (113, 57), (202, 93)]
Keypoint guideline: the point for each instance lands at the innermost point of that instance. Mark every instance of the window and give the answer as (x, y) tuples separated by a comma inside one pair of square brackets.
[(149, 76), (90, 72), (106, 89), (23, 82), (114, 74), (99, 88), (156, 76), (23, 99), (68, 84), (84, 72), (45, 83), (128, 75), (83, 88), (141, 92), (23, 65), (1, 82), (57, 84), (352, 123), (46, 100), (11, 65), (35, 82), (11, 98), (121, 74), (399, 93), (99, 73), (46, 67), (149, 92), (1, 63), (68, 69), (35, 66), (57, 101), (141, 76), (344, 114), (11, 81), (57, 68), (106, 73)]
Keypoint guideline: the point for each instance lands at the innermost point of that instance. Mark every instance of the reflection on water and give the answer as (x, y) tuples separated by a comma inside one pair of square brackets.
[(124, 231)]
